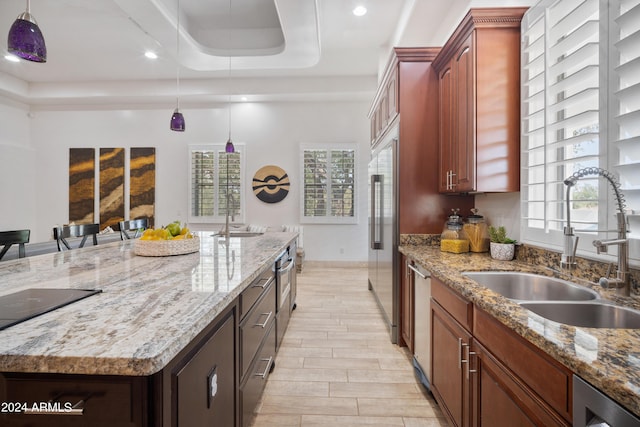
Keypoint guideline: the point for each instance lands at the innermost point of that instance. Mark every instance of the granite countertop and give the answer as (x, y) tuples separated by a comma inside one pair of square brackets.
[(150, 308), (607, 358)]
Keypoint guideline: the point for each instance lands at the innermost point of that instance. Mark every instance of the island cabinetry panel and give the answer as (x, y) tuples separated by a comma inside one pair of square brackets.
[(479, 80), (52, 400), (205, 386)]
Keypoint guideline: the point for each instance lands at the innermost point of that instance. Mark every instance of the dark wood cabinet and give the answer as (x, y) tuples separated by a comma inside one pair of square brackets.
[(484, 374), (540, 385), (54, 400), (450, 342), (205, 385), (479, 86), (407, 100)]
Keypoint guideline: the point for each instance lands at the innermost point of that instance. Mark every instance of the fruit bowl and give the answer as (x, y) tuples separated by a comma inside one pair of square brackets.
[(166, 247)]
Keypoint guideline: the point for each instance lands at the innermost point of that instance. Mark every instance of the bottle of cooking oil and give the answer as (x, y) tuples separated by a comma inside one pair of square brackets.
[(454, 239), (477, 232)]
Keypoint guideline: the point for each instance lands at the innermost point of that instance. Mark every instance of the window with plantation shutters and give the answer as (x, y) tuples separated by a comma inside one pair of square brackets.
[(215, 184), (329, 184), (575, 114), (624, 127)]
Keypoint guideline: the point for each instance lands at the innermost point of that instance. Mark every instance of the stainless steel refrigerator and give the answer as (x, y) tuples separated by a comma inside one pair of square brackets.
[(383, 229)]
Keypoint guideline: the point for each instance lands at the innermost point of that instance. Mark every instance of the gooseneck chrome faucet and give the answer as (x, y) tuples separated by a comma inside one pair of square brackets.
[(621, 282)]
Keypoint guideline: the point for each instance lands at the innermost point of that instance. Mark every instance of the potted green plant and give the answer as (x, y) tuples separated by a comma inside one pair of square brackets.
[(501, 247)]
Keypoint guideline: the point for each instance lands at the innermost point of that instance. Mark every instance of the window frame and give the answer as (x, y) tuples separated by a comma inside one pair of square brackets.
[(609, 149), (329, 219), (218, 218)]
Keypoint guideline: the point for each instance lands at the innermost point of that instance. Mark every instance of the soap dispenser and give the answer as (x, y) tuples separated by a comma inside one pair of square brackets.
[(454, 238)]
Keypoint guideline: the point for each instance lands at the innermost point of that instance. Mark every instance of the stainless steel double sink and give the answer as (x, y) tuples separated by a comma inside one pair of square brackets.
[(557, 300)]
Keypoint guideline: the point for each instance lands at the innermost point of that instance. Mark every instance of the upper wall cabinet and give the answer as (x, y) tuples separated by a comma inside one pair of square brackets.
[(407, 102), (479, 98)]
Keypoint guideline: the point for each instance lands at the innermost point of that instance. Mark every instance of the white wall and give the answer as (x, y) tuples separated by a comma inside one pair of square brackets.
[(272, 133), (17, 168)]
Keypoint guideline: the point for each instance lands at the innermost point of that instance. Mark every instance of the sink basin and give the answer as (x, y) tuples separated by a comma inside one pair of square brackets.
[(240, 234), (531, 287), (586, 314)]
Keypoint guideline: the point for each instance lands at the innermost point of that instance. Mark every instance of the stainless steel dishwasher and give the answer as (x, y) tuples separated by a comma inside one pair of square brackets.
[(422, 324), (593, 408)]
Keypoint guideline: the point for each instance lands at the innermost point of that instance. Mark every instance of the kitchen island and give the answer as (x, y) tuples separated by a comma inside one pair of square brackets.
[(609, 359), (153, 317)]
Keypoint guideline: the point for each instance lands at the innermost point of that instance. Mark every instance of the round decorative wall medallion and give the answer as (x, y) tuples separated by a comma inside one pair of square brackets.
[(271, 184)]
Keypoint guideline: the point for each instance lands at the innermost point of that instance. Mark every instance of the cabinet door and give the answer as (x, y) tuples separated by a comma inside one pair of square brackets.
[(501, 401), (407, 309), (465, 123), (446, 136), (205, 386), (449, 343)]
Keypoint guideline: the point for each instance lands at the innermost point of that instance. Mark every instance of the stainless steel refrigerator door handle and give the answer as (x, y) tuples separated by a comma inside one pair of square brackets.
[(376, 210)]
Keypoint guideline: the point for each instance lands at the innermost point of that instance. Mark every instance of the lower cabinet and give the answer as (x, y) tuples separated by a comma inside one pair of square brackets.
[(486, 375), (204, 386), (450, 369), (52, 400), (253, 385)]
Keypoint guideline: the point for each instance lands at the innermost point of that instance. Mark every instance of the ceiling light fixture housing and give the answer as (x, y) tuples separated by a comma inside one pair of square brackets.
[(25, 39), (360, 10)]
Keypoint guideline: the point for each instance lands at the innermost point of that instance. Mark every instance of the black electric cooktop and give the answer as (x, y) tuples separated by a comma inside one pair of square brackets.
[(32, 302)]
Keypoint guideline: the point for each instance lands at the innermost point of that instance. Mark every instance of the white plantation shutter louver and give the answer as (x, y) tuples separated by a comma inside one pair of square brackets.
[(329, 184), (580, 108), (209, 185)]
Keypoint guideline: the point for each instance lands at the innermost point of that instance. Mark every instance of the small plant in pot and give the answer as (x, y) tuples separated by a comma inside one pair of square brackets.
[(501, 247)]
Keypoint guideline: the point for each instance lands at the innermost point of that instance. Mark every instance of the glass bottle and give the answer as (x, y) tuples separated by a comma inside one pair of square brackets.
[(454, 238), (477, 232)]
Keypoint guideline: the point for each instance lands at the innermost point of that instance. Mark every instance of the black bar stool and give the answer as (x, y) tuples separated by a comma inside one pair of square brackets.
[(135, 226), (19, 237), (83, 230)]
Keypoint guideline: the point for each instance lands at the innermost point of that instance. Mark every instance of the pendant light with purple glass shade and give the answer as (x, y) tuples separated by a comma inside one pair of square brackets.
[(25, 38), (177, 119)]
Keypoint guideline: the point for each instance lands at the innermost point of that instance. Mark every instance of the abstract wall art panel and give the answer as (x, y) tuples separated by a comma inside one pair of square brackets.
[(82, 176), (111, 187), (142, 183)]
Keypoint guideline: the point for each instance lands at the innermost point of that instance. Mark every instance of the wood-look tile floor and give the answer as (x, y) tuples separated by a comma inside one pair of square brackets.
[(337, 366)]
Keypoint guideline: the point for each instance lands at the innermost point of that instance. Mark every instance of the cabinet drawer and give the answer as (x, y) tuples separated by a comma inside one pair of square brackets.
[(455, 304), (250, 295), (546, 377), (255, 326), (251, 390), (106, 401)]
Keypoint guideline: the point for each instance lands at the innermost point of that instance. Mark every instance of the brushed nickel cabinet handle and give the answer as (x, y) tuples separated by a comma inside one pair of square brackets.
[(55, 407), (263, 325), (266, 369)]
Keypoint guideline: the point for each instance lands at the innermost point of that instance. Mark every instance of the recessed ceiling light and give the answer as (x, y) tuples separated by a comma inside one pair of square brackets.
[(151, 55), (244, 99), (11, 58), (360, 10)]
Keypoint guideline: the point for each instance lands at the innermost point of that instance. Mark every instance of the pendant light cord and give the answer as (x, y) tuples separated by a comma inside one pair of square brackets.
[(229, 70), (178, 58)]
